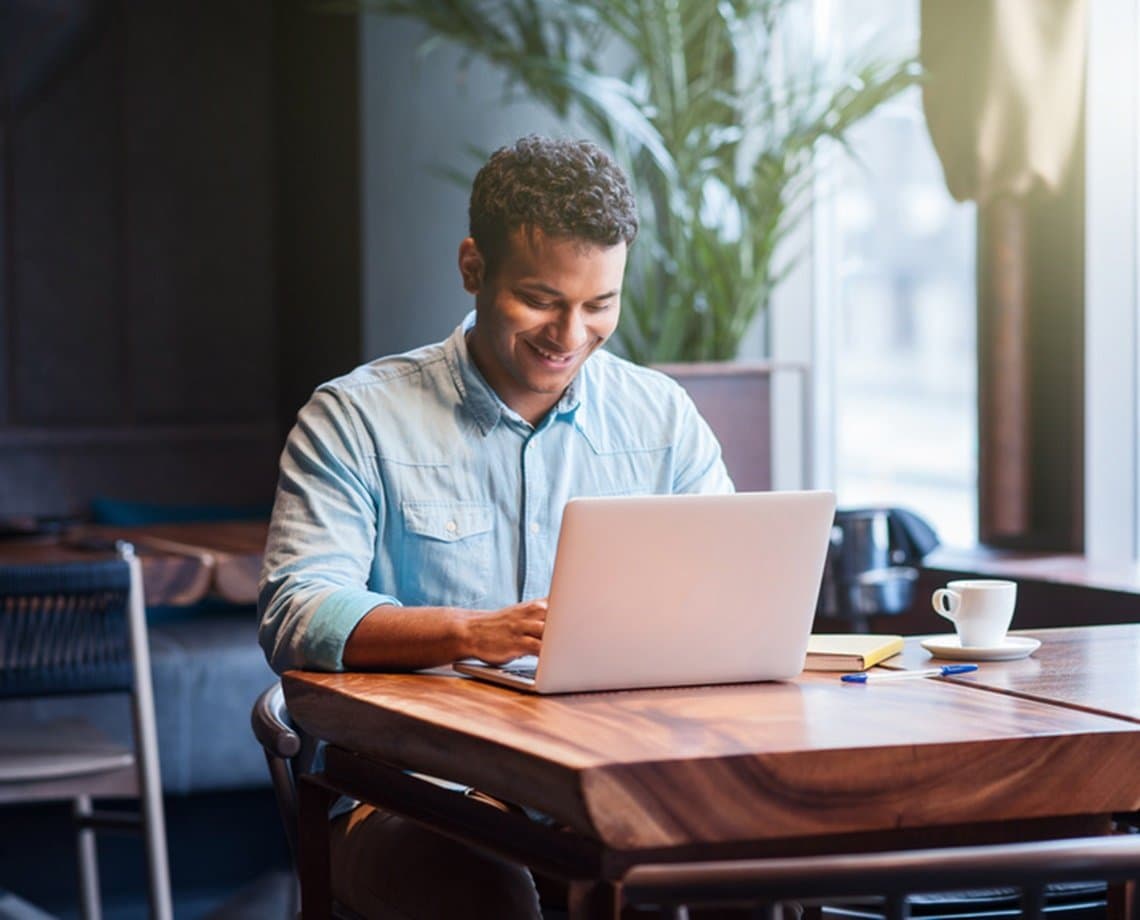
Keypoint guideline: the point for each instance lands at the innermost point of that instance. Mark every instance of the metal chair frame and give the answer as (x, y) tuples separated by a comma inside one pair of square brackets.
[(892, 876), (288, 754), (50, 644)]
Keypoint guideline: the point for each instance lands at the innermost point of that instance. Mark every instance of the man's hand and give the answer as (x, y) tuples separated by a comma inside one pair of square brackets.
[(496, 636), (407, 638)]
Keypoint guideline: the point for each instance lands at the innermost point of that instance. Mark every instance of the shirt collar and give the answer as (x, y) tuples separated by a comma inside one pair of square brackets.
[(475, 394), (483, 403)]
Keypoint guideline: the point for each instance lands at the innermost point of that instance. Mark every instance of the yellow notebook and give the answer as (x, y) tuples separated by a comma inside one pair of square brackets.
[(849, 651)]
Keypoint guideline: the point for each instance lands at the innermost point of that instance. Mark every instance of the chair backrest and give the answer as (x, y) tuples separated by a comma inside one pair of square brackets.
[(289, 753), (285, 752), (80, 627), (65, 628), (892, 875)]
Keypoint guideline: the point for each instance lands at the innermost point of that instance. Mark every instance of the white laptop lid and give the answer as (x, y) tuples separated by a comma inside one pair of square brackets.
[(673, 590)]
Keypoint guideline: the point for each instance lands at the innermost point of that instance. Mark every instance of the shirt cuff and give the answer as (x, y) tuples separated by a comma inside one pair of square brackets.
[(334, 621)]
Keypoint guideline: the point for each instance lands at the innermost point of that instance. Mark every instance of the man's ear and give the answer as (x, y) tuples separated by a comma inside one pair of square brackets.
[(471, 266)]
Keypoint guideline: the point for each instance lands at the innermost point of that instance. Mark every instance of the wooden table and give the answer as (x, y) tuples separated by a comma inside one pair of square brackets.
[(181, 563), (811, 765), (1096, 669)]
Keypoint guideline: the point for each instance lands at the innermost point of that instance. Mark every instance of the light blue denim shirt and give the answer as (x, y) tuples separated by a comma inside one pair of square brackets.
[(408, 481)]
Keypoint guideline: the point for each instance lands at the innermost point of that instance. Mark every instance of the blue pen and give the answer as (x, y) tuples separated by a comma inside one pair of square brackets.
[(944, 671)]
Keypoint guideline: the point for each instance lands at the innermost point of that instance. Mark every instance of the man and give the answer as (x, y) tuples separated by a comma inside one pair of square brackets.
[(420, 496)]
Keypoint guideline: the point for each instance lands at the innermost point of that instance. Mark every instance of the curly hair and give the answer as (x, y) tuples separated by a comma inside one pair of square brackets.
[(563, 188)]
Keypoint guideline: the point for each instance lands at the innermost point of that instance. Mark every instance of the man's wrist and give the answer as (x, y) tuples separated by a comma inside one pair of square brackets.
[(459, 632)]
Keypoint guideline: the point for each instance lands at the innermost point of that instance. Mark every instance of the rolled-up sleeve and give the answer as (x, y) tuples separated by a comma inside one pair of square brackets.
[(314, 581), (699, 466)]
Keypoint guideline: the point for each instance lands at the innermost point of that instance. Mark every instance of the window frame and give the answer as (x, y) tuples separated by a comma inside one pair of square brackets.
[(1112, 283)]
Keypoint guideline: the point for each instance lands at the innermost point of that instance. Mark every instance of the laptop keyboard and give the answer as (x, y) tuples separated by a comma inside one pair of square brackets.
[(527, 671)]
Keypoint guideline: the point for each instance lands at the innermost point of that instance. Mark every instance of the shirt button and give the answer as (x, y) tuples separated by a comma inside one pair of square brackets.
[(451, 527), (534, 528)]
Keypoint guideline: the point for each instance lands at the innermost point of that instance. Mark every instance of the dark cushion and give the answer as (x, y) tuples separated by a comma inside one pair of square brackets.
[(124, 513)]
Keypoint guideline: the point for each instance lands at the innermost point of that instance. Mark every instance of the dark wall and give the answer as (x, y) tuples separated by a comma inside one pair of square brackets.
[(318, 219), (149, 347), (425, 118), (206, 209)]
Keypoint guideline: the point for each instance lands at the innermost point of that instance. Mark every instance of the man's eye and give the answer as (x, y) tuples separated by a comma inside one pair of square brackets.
[(537, 302), (599, 307)]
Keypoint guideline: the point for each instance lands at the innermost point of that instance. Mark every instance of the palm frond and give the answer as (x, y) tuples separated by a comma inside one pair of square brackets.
[(685, 95)]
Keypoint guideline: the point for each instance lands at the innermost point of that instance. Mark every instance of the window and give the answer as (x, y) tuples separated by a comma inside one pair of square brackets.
[(895, 274), (1112, 284)]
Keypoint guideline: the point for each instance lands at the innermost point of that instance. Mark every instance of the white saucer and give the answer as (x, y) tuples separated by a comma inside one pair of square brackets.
[(949, 646)]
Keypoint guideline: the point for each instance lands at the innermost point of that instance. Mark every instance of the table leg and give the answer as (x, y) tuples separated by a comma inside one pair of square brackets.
[(1123, 903), (313, 802), (593, 899)]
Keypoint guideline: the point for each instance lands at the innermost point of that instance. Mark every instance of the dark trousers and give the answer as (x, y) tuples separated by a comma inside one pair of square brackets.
[(387, 868)]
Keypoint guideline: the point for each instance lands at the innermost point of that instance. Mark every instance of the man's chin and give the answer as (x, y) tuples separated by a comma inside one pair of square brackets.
[(548, 385)]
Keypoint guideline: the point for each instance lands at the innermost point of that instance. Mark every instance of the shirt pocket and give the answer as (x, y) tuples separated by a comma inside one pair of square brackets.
[(639, 472), (446, 553)]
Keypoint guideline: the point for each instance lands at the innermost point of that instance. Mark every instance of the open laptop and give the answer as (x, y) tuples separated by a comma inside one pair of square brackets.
[(676, 590)]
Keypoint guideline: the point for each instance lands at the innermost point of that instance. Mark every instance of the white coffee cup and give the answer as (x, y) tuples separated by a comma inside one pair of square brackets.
[(980, 609)]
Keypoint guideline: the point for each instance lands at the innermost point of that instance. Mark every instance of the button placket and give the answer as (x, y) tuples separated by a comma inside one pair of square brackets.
[(534, 478)]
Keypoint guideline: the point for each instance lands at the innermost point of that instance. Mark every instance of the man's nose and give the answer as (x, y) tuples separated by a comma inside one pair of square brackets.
[(571, 329)]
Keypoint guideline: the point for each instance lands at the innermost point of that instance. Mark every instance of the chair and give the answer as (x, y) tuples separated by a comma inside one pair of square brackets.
[(892, 877), (288, 752), (79, 628), (283, 746)]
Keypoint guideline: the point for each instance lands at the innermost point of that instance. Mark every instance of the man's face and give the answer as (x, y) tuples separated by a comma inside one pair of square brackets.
[(546, 308)]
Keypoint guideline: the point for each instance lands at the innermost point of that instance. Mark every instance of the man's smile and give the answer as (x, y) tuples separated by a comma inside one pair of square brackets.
[(558, 358), (550, 303)]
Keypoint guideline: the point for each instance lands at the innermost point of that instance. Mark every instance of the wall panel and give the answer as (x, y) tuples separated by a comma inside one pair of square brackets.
[(64, 240), (198, 155), (138, 313)]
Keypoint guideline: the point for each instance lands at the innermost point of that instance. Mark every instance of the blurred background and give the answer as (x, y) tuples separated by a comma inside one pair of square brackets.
[(208, 208)]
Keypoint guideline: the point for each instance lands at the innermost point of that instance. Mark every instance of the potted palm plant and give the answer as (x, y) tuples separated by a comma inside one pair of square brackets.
[(716, 116), (713, 114)]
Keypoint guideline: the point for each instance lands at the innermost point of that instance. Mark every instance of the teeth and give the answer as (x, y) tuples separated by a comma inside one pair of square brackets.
[(557, 359)]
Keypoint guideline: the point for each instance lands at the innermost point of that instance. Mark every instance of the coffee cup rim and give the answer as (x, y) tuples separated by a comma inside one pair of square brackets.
[(981, 583)]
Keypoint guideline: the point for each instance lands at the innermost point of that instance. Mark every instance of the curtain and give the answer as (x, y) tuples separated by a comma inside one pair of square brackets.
[(1004, 106), (1004, 96)]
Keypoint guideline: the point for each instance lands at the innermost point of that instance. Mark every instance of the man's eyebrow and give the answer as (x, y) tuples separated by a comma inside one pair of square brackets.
[(554, 292), (539, 286)]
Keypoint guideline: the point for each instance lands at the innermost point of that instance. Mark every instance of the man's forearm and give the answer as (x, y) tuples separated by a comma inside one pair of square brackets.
[(405, 638)]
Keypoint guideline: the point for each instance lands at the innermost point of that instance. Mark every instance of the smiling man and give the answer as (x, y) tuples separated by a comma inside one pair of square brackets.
[(540, 314), (420, 496)]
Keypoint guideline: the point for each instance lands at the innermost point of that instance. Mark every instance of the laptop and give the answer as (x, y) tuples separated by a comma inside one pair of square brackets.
[(677, 590)]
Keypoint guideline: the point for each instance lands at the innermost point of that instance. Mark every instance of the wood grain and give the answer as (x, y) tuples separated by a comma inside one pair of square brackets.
[(227, 553), (181, 563), (645, 769), (1092, 669)]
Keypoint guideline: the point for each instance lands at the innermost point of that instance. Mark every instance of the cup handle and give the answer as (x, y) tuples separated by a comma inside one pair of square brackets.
[(946, 603)]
